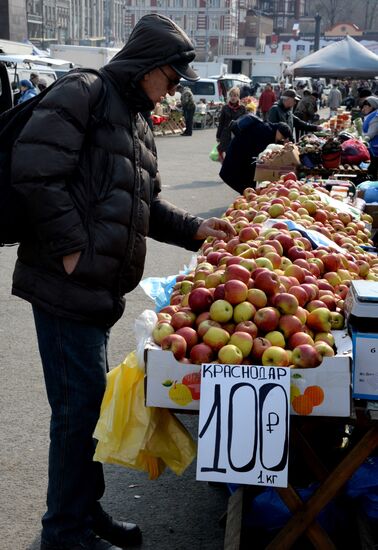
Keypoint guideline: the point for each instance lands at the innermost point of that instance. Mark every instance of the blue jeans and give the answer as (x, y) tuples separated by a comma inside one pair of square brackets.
[(74, 359)]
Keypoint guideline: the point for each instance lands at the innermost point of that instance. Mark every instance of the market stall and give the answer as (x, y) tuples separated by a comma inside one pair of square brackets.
[(346, 58), (269, 336)]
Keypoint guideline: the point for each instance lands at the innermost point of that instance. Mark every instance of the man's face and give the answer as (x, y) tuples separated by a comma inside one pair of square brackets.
[(160, 81), (289, 102)]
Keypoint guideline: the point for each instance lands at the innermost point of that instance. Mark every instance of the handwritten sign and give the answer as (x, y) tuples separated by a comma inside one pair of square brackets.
[(365, 365), (244, 424)]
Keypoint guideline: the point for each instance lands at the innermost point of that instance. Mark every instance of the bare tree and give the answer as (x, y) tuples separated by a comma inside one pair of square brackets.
[(334, 11)]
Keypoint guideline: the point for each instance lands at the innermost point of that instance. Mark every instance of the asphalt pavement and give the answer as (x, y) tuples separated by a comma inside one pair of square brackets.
[(175, 513)]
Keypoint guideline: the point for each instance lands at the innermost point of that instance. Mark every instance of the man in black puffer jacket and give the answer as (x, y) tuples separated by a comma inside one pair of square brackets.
[(86, 166)]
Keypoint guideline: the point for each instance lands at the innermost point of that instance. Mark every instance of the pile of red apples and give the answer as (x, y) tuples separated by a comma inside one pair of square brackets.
[(266, 297)]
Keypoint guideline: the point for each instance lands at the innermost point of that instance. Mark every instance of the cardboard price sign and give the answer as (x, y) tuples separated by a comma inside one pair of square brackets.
[(244, 424), (365, 371)]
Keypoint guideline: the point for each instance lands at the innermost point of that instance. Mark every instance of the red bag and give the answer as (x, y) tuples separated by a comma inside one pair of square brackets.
[(354, 152)]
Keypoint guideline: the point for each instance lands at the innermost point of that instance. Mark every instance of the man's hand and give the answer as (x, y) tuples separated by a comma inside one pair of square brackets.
[(70, 262), (215, 227)]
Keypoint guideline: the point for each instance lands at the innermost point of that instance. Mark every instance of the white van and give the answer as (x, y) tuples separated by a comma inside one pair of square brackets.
[(206, 89), (215, 89)]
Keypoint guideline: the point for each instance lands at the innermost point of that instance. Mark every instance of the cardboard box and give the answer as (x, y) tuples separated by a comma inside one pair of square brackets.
[(266, 173), (333, 376), (287, 158)]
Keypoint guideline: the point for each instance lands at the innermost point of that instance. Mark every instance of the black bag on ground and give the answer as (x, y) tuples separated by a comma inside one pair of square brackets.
[(13, 213)]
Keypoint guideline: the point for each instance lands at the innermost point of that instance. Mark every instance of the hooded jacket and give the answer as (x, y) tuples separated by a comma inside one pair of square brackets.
[(86, 166), (370, 126), (28, 93), (279, 113), (252, 136)]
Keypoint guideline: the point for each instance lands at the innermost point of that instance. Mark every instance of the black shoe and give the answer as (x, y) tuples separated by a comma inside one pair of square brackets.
[(93, 543), (186, 135), (119, 533)]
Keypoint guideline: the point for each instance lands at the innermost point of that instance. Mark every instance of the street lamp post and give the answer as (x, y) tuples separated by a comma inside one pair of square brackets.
[(317, 32)]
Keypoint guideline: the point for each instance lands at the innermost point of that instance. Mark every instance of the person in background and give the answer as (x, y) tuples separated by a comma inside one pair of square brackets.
[(34, 79), (369, 110), (188, 106), (92, 192), (27, 91), (252, 136), (334, 99), (231, 111), (266, 101), (246, 91), (282, 111), (307, 107), (42, 84)]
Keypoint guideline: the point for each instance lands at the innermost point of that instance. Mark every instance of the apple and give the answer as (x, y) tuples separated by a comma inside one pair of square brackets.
[(295, 271), (171, 309), (285, 240), (204, 316), (306, 356), (243, 341), (219, 292), (183, 319), (314, 304), (260, 344), (302, 315), (266, 319), (286, 303), (329, 302), (337, 320), (190, 335), (160, 331), (221, 311), (201, 353), (275, 356), (214, 279), (268, 282), (205, 325), (299, 338), (235, 271), (324, 349), (300, 294), (289, 325), (276, 338), (244, 312), (247, 326), (276, 245), (325, 337), (235, 291), (164, 317), (319, 320), (331, 262), (230, 355), (200, 299), (257, 297), (276, 210), (216, 337), (176, 344)]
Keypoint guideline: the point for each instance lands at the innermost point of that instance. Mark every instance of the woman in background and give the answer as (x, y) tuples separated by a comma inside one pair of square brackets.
[(369, 110), (231, 111)]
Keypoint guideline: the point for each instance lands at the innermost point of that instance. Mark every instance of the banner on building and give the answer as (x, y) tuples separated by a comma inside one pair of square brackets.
[(274, 43), (300, 52), (286, 52)]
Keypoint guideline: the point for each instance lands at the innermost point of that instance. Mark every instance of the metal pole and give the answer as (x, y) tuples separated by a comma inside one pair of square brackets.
[(318, 18), (206, 32)]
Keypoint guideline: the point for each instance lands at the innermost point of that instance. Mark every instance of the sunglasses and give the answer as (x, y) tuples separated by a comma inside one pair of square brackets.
[(173, 83)]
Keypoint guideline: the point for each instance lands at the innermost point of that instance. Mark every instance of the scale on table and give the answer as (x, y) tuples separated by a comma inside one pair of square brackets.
[(361, 311)]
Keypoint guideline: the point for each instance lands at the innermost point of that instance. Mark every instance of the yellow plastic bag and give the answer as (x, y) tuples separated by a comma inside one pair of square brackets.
[(136, 436)]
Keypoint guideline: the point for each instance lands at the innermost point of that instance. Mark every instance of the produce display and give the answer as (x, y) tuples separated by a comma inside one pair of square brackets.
[(268, 296)]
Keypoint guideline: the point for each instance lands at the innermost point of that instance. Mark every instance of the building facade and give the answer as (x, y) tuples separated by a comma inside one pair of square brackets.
[(212, 25)]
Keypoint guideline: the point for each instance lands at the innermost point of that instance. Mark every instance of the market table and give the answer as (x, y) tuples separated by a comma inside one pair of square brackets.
[(303, 520)]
